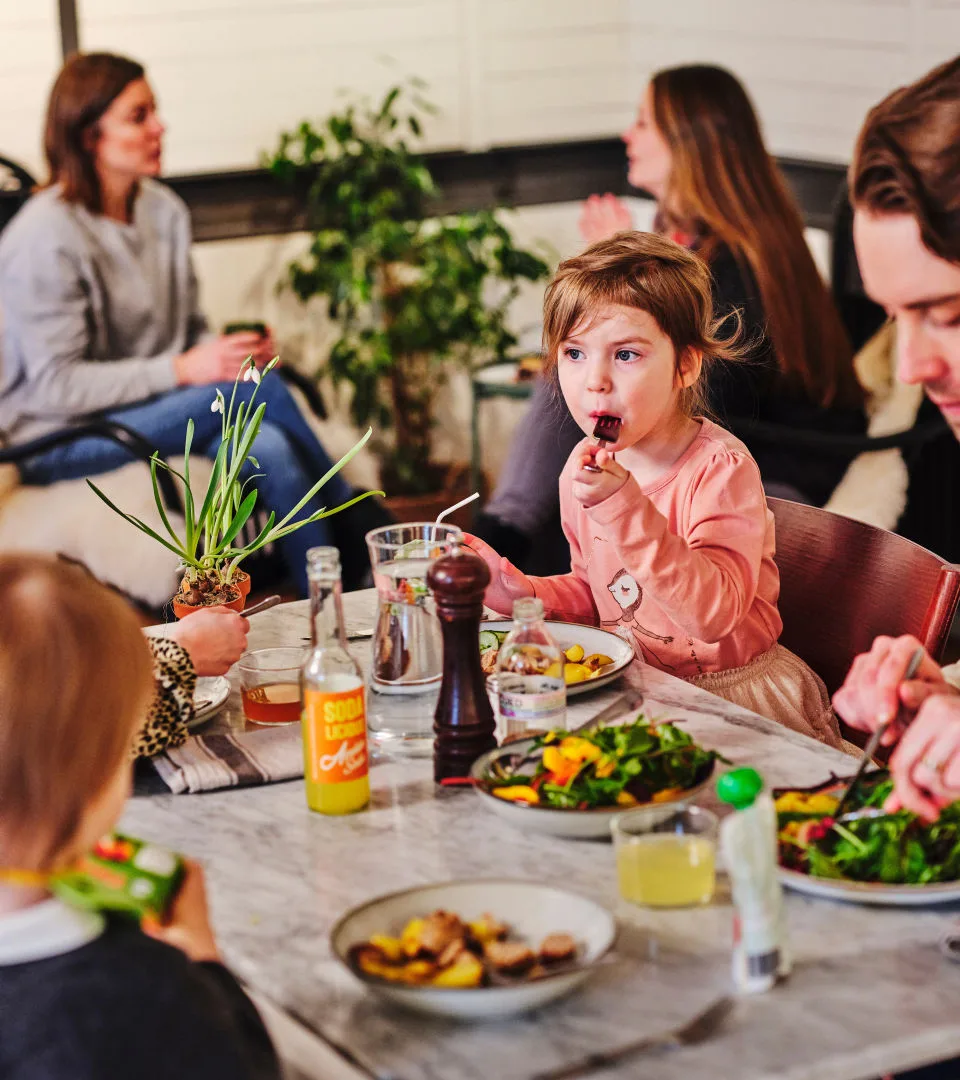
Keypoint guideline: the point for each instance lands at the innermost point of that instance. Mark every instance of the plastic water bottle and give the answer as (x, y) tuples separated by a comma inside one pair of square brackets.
[(748, 840), (531, 691)]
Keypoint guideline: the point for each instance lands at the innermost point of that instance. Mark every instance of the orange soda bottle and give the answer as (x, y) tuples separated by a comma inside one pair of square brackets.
[(333, 695)]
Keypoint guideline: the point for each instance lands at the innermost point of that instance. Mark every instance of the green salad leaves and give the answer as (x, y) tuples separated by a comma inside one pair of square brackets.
[(892, 849), (620, 765)]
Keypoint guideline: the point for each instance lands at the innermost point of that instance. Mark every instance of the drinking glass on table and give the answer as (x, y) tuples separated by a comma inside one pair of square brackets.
[(407, 660), (407, 644), (270, 685), (666, 855)]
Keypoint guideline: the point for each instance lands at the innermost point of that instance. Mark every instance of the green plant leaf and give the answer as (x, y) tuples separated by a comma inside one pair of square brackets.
[(318, 515), (332, 471), (189, 521), (388, 101), (213, 485), (158, 499), (142, 526), (243, 515)]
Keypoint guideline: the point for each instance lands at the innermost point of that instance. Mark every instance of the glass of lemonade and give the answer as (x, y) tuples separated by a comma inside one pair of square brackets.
[(270, 685), (666, 855)]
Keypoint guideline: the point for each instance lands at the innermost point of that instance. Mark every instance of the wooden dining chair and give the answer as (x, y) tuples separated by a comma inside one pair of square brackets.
[(843, 583)]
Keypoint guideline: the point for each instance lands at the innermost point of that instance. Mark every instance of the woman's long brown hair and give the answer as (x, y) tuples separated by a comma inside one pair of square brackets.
[(725, 188), (85, 88)]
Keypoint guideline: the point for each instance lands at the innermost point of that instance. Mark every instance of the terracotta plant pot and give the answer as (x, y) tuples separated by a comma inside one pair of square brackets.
[(242, 581), (455, 486), (236, 602)]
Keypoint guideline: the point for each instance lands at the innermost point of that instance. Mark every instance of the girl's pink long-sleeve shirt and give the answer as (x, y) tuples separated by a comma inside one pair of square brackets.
[(685, 566)]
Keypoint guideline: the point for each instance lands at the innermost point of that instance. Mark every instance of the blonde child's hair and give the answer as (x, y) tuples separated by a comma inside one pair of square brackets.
[(650, 273), (75, 679)]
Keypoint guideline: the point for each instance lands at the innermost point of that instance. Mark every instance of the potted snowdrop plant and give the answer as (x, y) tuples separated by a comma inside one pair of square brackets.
[(207, 544)]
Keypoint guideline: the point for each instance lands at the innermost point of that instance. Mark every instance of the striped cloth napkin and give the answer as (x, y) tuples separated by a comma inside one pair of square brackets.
[(222, 760)]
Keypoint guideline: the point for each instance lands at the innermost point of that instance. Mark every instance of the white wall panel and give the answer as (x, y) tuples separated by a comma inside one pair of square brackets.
[(813, 68), (29, 58), (230, 77), (232, 73)]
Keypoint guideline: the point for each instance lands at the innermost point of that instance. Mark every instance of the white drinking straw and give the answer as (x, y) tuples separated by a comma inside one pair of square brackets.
[(456, 506)]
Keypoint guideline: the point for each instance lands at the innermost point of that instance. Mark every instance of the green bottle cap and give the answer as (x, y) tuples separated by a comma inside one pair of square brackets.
[(740, 787)]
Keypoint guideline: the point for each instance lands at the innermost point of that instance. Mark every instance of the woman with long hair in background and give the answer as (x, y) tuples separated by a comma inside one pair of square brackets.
[(696, 146)]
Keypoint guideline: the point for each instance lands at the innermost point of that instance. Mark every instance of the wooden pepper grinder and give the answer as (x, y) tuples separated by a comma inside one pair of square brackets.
[(463, 723)]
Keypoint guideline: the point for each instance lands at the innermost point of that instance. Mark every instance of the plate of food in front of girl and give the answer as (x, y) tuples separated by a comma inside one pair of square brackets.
[(592, 657)]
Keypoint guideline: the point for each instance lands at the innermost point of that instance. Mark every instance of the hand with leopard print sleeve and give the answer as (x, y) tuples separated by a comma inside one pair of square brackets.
[(175, 679)]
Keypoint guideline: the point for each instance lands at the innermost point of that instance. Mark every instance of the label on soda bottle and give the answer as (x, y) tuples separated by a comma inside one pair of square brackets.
[(335, 726)]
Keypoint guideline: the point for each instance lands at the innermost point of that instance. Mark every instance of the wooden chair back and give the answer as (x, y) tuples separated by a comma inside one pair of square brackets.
[(843, 583)]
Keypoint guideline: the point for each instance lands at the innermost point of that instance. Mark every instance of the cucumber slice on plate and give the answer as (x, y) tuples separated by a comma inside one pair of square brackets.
[(489, 640)]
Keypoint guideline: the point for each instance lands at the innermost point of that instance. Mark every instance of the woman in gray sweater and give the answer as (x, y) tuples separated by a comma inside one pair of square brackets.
[(100, 314)]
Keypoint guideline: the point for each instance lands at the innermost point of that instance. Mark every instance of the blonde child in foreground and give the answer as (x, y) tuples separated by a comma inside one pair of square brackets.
[(84, 996), (672, 542)]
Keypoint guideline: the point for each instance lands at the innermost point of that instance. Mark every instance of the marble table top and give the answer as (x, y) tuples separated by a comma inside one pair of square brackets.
[(870, 992)]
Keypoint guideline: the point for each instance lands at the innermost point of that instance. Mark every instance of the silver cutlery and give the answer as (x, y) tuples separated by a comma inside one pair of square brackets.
[(700, 1028), (264, 605), (859, 815), (874, 741), (629, 699)]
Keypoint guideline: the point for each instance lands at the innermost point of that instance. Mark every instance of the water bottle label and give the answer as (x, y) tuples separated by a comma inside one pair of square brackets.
[(335, 734), (542, 702)]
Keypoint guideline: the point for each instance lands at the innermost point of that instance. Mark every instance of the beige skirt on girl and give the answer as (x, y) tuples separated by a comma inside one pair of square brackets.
[(779, 685)]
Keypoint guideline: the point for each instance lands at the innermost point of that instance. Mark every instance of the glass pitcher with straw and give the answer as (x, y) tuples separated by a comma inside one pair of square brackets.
[(407, 644)]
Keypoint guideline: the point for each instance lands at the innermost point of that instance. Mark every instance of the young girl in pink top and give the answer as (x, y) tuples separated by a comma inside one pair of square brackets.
[(671, 542)]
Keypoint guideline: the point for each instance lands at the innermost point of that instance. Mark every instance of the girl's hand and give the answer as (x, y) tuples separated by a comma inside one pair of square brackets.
[(187, 925), (590, 488), (603, 216), (215, 638), (926, 765), (507, 583), (874, 689)]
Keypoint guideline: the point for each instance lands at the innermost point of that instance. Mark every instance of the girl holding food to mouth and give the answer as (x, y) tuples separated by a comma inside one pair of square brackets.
[(671, 541)]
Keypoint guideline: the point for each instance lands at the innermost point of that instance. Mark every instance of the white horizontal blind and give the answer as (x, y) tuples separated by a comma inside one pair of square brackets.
[(231, 74), (813, 67), (29, 59), (549, 70)]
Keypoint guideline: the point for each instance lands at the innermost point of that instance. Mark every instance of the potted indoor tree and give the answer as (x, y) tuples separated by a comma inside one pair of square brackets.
[(409, 293), (207, 546)]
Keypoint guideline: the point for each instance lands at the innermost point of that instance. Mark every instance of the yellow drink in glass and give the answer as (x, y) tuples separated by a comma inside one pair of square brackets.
[(663, 870), (666, 856)]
